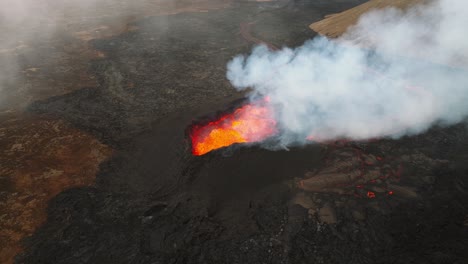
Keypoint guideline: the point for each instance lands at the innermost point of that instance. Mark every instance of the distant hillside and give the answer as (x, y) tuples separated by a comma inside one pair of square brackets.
[(335, 25)]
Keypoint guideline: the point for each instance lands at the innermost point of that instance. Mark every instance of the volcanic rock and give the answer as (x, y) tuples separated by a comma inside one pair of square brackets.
[(303, 200), (370, 159), (327, 214), (311, 212), (369, 176), (429, 179), (377, 189), (359, 215), (403, 191), (323, 182), (347, 164)]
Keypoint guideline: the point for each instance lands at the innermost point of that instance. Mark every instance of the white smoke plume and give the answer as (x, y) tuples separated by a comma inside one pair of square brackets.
[(403, 84)]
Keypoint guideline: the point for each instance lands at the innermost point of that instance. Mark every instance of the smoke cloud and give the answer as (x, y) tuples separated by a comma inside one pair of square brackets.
[(406, 79)]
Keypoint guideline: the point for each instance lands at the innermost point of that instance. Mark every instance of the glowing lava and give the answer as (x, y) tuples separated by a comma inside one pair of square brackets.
[(250, 123)]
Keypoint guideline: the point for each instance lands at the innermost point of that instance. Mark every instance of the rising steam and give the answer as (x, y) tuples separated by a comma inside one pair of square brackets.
[(406, 80)]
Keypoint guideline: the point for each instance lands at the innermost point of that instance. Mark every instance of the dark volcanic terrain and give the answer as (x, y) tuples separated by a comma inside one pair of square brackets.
[(125, 123)]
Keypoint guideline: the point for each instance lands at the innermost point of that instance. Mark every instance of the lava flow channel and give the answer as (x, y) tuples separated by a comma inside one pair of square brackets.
[(250, 123)]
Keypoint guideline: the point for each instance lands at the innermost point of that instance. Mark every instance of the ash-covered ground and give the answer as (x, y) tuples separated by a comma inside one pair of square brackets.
[(153, 202)]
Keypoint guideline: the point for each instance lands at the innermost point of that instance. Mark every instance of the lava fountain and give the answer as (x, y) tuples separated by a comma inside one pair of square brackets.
[(249, 123)]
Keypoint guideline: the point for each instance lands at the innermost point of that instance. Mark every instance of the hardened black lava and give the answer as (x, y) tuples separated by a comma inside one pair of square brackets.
[(153, 202)]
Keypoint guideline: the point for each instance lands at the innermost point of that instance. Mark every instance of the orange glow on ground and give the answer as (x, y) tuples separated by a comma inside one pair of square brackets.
[(248, 123)]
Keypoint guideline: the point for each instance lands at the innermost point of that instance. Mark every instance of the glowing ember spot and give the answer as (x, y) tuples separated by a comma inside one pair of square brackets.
[(249, 123), (371, 194), (390, 192)]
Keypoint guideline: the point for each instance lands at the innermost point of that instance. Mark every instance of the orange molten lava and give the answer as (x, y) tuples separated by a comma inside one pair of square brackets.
[(249, 123)]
